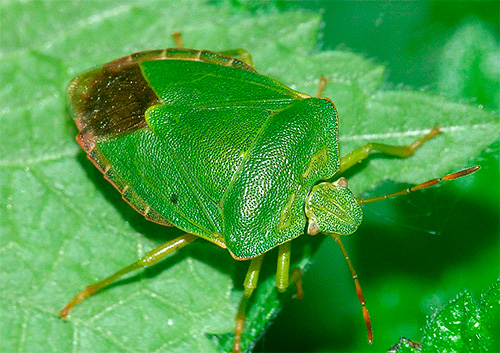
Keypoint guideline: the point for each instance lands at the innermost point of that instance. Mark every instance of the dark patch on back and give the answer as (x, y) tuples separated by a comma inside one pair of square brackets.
[(111, 101)]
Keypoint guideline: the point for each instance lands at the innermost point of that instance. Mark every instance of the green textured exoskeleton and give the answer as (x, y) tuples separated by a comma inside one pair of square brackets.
[(201, 141), (215, 149)]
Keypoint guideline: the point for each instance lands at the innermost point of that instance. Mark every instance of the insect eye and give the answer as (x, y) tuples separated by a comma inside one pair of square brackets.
[(342, 182), (174, 198), (312, 228)]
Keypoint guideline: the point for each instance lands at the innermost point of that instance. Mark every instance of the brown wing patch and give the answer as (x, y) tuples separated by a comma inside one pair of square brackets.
[(110, 101)]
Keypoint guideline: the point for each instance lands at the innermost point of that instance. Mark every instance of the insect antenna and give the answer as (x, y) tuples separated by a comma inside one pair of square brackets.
[(420, 186), (361, 298)]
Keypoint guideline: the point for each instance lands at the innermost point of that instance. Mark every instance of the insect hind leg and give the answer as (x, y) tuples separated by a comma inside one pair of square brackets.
[(150, 258)]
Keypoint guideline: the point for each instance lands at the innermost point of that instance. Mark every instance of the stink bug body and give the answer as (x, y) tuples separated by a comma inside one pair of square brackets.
[(200, 141)]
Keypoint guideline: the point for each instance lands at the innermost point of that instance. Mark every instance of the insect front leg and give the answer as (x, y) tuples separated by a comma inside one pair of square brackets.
[(150, 258), (360, 153)]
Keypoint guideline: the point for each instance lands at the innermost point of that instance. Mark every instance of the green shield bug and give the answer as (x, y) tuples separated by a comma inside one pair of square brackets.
[(200, 141)]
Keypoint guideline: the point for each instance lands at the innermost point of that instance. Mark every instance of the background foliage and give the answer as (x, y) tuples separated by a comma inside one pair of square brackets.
[(62, 226)]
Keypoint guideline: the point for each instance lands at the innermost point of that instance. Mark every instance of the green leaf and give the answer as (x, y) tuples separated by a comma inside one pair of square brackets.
[(470, 65), (462, 325), (62, 226)]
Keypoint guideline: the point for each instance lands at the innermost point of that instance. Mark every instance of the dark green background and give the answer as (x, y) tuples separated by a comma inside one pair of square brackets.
[(415, 253)]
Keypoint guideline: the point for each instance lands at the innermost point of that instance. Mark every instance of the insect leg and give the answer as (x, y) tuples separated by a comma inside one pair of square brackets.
[(249, 285), (296, 277), (177, 36), (283, 269), (321, 86), (150, 258), (283, 278), (360, 153), (361, 298)]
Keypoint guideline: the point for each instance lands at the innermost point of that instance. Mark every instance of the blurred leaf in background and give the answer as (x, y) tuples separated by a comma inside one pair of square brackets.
[(62, 226), (470, 65)]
